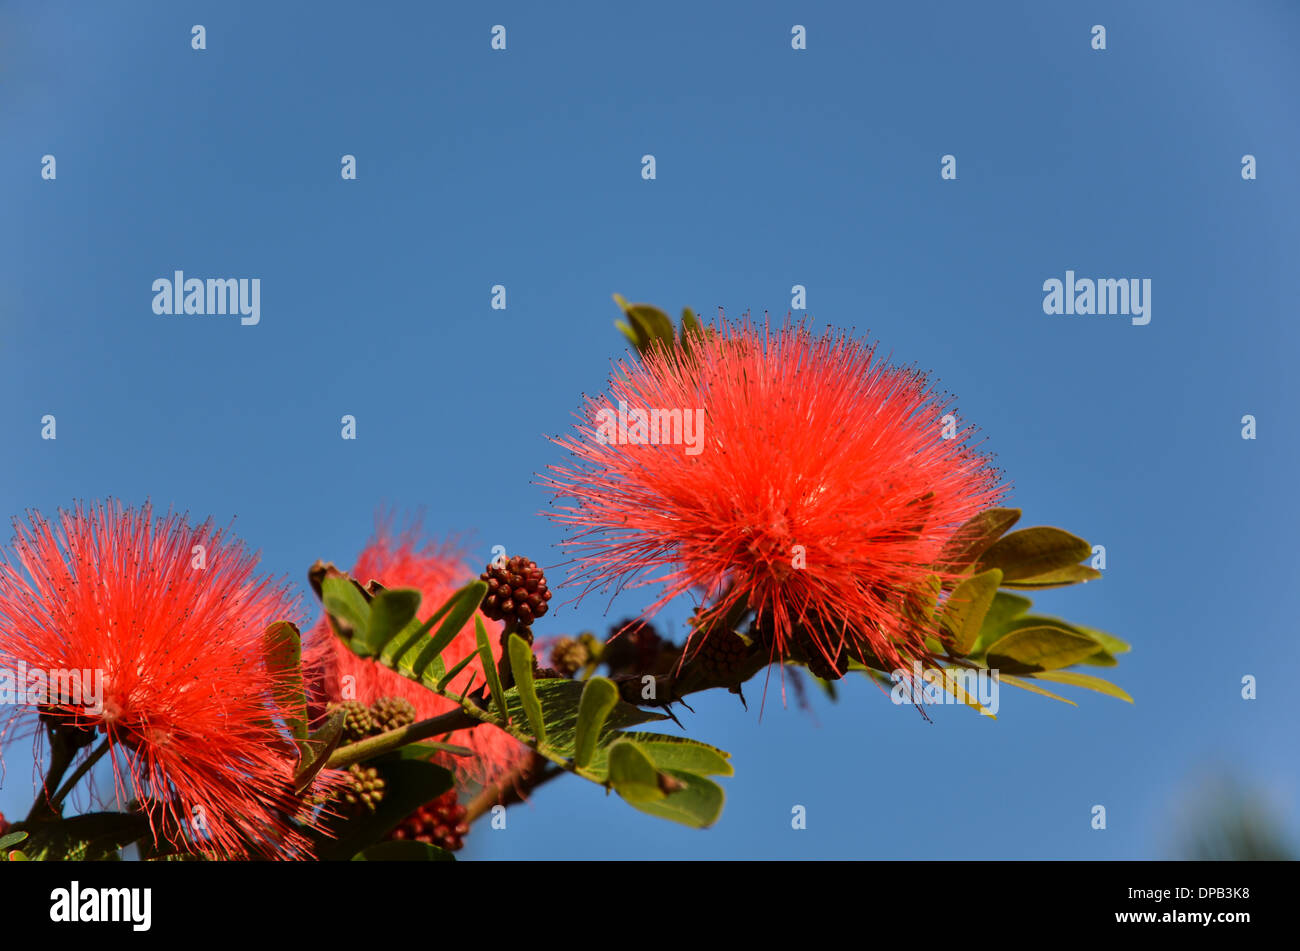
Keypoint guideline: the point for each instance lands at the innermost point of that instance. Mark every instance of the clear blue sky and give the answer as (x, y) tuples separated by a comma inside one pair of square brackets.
[(775, 167)]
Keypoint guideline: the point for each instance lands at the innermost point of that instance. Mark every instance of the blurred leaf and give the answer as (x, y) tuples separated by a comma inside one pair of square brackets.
[(391, 610), (599, 696), (1031, 552), (1032, 649), (490, 667), (1083, 680), (11, 839), (975, 536), (632, 774), (403, 850), (521, 665), (965, 610), (282, 645)]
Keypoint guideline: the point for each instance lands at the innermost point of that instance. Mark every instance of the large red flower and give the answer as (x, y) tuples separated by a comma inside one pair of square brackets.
[(808, 481), (172, 617), (406, 560)]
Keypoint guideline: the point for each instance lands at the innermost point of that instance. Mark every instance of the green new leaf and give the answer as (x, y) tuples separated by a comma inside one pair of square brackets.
[(1102, 658), (347, 605), (974, 537), (521, 665), (1033, 688), (1073, 574), (967, 606), (403, 850), (649, 324), (633, 774), (1031, 552), (490, 668), (282, 646), (1086, 681), (696, 803), (599, 696), (1032, 649)]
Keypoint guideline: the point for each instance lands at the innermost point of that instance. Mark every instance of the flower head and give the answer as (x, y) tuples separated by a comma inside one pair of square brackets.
[(164, 623), (406, 560), (771, 470)]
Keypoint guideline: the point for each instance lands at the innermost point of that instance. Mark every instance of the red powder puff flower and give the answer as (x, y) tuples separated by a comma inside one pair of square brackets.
[(172, 617), (436, 571), (766, 468)]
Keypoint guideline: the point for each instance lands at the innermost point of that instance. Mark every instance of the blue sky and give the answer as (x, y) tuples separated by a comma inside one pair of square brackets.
[(775, 167)]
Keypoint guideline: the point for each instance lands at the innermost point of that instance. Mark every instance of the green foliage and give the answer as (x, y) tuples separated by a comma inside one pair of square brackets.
[(647, 327), (574, 725)]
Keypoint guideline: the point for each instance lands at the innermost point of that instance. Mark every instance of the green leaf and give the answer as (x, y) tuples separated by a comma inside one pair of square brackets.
[(1031, 649), (408, 785), (697, 804), (403, 850), (1112, 643), (1033, 688), (318, 748), (282, 646), (975, 536), (633, 774), (11, 839), (490, 668), (682, 753), (967, 606), (1074, 574), (521, 665), (1102, 658), (391, 610), (561, 702), (1005, 606), (1034, 551), (18, 855), (450, 675), (599, 696), (1083, 680), (691, 326), (345, 603), (458, 609)]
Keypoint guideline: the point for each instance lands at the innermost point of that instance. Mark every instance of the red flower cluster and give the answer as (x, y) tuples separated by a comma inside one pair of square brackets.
[(818, 491), (168, 620)]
